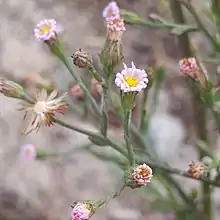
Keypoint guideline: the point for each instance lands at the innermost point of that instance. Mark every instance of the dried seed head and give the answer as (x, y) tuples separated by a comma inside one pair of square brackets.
[(196, 170), (81, 59)]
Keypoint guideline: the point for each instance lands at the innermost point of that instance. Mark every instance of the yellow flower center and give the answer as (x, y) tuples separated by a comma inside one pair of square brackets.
[(28, 152), (45, 29), (40, 107), (131, 81), (110, 13), (144, 172)]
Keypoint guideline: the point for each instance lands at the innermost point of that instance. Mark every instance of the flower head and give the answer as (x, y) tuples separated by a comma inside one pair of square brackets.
[(46, 30), (142, 175), (115, 29), (111, 11), (189, 66), (43, 109), (28, 152), (196, 170), (82, 211), (138, 176), (131, 79)]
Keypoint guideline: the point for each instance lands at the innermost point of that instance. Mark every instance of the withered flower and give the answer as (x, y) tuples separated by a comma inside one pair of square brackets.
[(42, 110)]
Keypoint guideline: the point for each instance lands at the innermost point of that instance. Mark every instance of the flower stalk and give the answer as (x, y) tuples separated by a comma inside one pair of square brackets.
[(70, 68), (104, 109), (127, 122)]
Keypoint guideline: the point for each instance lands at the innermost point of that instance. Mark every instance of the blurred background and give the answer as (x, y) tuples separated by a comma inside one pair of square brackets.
[(45, 189)]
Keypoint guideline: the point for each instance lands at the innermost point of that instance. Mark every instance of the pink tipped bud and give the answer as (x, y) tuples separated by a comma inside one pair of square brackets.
[(76, 91), (189, 66)]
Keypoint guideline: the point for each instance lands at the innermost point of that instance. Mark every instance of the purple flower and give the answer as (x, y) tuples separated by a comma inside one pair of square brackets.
[(28, 152), (111, 11), (46, 29)]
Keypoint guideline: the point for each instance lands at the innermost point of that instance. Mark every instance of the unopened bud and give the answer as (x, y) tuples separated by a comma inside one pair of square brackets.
[(11, 89), (85, 210), (81, 59), (196, 170)]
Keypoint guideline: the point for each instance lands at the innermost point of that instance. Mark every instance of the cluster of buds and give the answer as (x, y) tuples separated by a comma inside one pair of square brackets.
[(112, 53), (11, 89), (196, 170), (190, 67), (138, 176)]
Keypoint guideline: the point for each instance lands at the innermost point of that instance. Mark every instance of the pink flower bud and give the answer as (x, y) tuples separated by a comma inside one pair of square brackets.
[(82, 211)]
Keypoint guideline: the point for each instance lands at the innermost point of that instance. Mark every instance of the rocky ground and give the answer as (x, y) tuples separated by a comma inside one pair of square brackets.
[(46, 189)]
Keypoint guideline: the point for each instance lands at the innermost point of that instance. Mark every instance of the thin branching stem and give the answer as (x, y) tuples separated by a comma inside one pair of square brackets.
[(201, 26)]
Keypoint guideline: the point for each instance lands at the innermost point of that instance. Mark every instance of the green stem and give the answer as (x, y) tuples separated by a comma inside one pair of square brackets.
[(104, 109), (127, 122), (201, 26), (200, 120), (166, 25), (199, 109), (183, 40), (57, 50), (143, 110), (121, 150), (215, 6)]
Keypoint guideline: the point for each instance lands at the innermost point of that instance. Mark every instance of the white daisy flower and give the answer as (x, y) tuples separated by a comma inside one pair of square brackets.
[(46, 29), (131, 79)]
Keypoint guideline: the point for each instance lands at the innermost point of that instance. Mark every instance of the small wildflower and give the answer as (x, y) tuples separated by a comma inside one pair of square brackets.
[(46, 30), (43, 109), (115, 29), (28, 152), (84, 210), (131, 79), (142, 175), (112, 52), (81, 59), (196, 170), (111, 11), (138, 176), (11, 89)]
